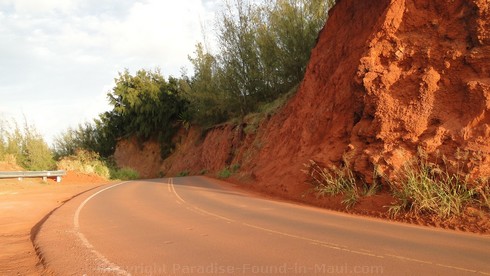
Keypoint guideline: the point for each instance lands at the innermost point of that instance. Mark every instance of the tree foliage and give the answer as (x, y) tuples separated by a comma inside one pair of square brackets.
[(98, 136), (264, 47), (263, 52), (145, 105), (208, 103)]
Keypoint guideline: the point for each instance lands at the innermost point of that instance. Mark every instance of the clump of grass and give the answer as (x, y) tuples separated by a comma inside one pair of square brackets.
[(484, 193), (124, 174), (183, 173), (375, 187), (370, 190), (333, 181), (228, 171), (351, 197), (203, 172), (272, 108), (252, 122), (420, 186), (234, 168), (425, 188), (224, 173)]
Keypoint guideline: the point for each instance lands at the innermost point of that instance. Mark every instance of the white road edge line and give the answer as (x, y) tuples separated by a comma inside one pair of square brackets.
[(317, 242), (108, 265)]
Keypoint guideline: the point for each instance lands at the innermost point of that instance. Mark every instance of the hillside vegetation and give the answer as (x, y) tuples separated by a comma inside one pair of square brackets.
[(263, 52)]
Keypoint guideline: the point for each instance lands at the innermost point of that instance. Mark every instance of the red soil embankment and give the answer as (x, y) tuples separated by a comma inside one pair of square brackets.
[(387, 80)]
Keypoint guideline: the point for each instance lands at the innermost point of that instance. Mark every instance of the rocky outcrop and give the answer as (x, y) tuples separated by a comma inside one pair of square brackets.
[(387, 80)]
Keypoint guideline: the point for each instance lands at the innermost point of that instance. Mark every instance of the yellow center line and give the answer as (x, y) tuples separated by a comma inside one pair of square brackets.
[(193, 207)]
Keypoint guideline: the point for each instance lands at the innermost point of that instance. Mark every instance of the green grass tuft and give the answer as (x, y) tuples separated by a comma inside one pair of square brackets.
[(183, 173), (224, 173), (124, 174), (333, 181), (424, 188), (229, 171)]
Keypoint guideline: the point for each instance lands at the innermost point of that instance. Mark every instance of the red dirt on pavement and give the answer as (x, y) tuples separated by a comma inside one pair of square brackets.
[(23, 204)]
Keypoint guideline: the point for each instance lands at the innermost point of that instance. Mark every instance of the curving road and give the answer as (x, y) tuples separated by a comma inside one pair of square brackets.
[(198, 226)]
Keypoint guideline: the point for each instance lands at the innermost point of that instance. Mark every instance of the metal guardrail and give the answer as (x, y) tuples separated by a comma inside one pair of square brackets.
[(32, 174)]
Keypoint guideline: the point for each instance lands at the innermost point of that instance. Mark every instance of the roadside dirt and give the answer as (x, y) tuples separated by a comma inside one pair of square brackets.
[(23, 204)]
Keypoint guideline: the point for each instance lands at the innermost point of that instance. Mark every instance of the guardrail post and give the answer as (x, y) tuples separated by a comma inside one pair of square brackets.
[(58, 179)]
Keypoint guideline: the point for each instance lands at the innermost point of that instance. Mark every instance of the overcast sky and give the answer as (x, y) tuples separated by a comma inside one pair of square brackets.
[(59, 58)]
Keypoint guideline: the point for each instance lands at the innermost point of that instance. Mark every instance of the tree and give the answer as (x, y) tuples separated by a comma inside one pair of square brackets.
[(97, 136), (286, 36), (264, 48), (240, 65), (37, 154), (147, 106), (208, 104)]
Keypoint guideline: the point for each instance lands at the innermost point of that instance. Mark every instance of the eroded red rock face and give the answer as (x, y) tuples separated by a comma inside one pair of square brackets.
[(143, 157), (387, 79)]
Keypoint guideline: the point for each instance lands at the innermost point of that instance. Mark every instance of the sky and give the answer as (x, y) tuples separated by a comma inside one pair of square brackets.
[(59, 58)]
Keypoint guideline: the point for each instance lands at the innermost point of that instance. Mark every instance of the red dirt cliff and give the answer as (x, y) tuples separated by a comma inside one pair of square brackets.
[(387, 79)]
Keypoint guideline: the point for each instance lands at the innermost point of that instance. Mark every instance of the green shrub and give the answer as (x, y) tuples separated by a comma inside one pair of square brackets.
[(85, 162), (26, 145), (124, 174), (252, 122), (224, 173)]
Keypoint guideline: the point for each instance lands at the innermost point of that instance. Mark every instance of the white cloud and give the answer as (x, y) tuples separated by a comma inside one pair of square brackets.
[(58, 56), (44, 6), (163, 31)]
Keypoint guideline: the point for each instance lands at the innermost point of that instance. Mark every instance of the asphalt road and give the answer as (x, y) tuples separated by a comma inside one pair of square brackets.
[(197, 226)]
